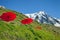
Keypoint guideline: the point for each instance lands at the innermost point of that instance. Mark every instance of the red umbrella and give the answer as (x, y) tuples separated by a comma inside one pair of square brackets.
[(26, 21), (8, 16)]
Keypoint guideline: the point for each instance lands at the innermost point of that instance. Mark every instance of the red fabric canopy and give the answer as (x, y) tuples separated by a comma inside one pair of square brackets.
[(26, 21), (8, 16)]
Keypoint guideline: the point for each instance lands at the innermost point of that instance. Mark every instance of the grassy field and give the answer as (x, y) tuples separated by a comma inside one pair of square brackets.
[(14, 30)]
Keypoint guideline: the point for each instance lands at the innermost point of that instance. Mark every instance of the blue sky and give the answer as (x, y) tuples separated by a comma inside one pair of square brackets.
[(52, 7)]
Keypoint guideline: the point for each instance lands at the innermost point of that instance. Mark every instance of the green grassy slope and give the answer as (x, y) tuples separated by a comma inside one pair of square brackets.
[(14, 30)]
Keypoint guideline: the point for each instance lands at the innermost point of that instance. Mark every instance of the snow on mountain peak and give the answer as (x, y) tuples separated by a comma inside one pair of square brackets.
[(2, 7), (42, 17), (41, 12)]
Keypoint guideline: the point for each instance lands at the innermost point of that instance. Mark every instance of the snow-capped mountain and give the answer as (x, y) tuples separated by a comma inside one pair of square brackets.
[(42, 17), (2, 7)]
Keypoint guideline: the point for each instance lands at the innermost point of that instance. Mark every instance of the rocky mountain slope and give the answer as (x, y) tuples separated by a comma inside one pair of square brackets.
[(42, 17)]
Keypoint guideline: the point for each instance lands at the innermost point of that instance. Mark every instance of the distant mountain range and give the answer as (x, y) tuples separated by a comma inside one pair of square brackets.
[(2, 7), (42, 17)]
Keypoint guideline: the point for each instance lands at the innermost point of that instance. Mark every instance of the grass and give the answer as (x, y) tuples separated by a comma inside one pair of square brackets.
[(14, 30)]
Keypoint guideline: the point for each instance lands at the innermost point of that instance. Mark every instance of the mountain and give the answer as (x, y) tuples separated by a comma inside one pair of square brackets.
[(42, 17), (15, 30), (2, 7)]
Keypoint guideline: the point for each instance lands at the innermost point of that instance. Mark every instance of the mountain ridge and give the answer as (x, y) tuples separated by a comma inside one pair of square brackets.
[(41, 15)]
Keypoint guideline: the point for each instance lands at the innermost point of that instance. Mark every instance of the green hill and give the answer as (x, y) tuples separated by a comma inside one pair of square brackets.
[(14, 30)]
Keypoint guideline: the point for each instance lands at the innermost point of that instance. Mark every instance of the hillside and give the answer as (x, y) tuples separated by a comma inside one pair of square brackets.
[(15, 30)]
